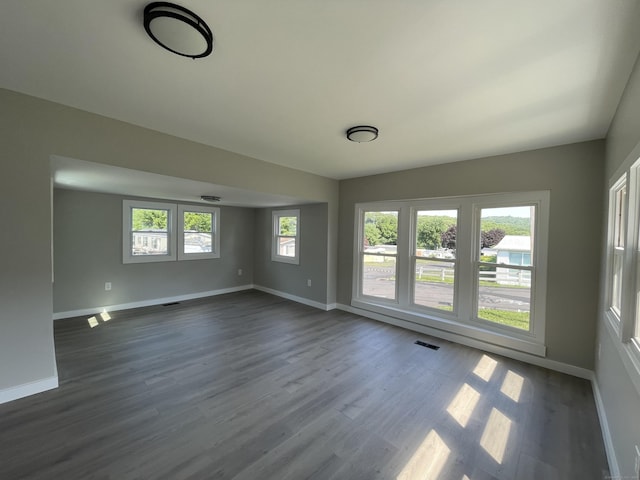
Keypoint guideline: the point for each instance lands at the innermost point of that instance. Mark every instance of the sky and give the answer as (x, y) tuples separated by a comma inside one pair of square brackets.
[(486, 212)]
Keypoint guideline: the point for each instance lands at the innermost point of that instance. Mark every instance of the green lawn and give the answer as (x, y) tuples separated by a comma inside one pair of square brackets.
[(506, 317)]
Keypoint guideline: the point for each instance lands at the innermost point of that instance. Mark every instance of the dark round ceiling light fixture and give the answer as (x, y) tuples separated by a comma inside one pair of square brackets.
[(178, 30), (362, 133)]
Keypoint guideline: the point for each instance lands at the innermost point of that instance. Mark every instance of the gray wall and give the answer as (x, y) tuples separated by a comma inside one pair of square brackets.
[(88, 252), (31, 130), (573, 174), (286, 277), (620, 399)]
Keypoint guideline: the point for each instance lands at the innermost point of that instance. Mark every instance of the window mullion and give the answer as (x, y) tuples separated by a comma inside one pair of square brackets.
[(403, 259), (465, 238)]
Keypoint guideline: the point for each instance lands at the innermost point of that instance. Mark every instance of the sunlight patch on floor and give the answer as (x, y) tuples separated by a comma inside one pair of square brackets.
[(428, 461), (512, 386), (463, 404), (105, 316), (496, 435), (93, 322), (485, 367)]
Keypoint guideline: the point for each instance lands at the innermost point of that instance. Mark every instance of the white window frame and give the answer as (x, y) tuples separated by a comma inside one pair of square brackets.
[(617, 229), (433, 205), (462, 320), (361, 254), (624, 329), (127, 234), (215, 226), (275, 255)]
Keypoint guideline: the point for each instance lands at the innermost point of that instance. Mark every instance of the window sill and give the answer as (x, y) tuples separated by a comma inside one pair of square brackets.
[(474, 332)]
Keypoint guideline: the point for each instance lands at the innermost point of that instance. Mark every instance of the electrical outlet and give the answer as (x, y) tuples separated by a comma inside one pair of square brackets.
[(308, 282), (637, 467), (107, 286), (239, 272)]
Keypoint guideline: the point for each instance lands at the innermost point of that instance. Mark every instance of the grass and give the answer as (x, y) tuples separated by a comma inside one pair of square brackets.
[(505, 317)]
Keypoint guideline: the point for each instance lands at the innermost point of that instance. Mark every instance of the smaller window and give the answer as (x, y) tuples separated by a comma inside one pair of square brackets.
[(198, 229), (286, 236), (617, 218), (148, 232)]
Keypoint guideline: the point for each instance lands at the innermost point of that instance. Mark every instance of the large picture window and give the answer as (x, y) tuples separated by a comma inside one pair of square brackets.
[(474, 266)]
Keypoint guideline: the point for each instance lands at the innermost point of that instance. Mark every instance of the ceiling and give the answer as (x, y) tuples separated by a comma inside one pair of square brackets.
[(442, 80)]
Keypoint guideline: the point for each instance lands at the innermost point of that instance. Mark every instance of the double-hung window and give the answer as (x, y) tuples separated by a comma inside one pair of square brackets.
[(286, 236), (198, 227), (378, 254), (474, 266), (617, 234), (161, 232), (504, 268), (148, 231), (434, 258), (622, 307)]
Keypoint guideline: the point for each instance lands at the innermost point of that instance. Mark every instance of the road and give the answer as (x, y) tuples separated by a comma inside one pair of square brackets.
[(379, 282)]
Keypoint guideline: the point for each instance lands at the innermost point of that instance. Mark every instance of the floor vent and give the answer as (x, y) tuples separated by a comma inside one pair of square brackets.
[(169, 304), (428, 345)]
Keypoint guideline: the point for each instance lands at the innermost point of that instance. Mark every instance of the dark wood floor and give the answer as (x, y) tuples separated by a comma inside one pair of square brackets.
[(251, 386)]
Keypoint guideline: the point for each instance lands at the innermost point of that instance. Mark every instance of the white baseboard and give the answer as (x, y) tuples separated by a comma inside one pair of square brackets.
[(614, 468), (470, 342), (27, 389), (295, 298), (148, 303)]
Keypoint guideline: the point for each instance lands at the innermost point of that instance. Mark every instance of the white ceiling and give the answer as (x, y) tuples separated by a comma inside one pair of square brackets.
[(443, 80)]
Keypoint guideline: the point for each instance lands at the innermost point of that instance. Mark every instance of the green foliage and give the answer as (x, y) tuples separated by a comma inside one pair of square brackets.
[(288, 226), (488, 259), (430, 230), (371, 234), (197, 222), (148, 219), (387, 226), (151, 219), (448, 237), (510, 225)]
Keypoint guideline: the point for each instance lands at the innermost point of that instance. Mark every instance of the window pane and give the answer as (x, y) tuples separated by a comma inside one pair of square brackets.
[(434, 284), (380, 249), (147, 219), (506, 235), (380, 229), (436, 233), (198, 228), (504, 297), (287, 247), (287, 226), (149, 231), (616, 284), (618, 234), (379, 275)]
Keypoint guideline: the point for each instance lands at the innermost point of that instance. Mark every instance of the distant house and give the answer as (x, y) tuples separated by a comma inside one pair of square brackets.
[(513, 250)]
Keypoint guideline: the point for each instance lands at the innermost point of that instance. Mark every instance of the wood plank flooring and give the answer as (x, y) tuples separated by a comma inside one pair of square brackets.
[(251, 386)]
